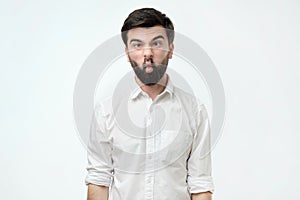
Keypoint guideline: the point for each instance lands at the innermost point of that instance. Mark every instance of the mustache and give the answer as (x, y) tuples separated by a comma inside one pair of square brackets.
[(148, 59)]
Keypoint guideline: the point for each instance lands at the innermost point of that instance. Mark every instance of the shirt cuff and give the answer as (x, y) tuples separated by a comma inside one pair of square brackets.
[(200, 184), (98, 178)]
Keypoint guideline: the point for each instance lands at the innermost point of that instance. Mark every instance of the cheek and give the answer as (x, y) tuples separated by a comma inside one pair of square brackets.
[(137, 57), (160, 55)]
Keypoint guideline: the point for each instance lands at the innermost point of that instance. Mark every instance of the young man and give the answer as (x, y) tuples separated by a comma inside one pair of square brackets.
[(166, 156)]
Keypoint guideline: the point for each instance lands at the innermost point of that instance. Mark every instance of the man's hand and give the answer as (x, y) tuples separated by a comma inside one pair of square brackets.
[(96, 192), (202, 196)]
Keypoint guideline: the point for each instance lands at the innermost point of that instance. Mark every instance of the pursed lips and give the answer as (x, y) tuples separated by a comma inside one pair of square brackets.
[(148, 65)]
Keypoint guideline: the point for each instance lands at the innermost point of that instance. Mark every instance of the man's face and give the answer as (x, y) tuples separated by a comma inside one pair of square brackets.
[(148, 51)]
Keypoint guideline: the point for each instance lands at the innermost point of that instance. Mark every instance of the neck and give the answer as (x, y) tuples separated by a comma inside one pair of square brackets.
[(154, 90)]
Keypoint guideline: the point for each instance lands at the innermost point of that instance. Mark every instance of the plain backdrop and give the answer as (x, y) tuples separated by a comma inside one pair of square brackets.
[(254, 44)]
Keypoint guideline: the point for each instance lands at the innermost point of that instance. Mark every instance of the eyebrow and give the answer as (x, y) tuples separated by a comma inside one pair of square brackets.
[(155, 38), (135, 40), (158, 37)]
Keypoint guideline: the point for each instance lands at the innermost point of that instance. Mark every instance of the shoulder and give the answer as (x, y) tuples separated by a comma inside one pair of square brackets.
[(187, 98)]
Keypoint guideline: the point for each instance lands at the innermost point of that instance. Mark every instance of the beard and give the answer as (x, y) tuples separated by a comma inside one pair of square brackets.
[(153, 77)]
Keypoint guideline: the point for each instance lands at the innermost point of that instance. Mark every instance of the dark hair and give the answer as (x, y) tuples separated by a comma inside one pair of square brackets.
[(147, 17)]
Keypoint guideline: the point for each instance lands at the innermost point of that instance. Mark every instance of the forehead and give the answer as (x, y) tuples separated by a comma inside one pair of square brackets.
[(146, 34)]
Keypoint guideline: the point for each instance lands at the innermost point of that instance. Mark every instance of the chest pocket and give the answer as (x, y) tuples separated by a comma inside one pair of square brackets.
[(173, 145)]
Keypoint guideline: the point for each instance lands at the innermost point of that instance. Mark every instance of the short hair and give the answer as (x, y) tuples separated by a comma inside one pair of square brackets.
[(147, 17)]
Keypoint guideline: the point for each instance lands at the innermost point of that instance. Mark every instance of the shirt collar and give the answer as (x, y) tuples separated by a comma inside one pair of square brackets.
[(138, 91)]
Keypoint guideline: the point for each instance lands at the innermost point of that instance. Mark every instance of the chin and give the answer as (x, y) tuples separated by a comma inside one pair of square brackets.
[(150, 84)]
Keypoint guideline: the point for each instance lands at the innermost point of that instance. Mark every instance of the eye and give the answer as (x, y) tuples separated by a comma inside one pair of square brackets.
[(136, 45), (157, 44)]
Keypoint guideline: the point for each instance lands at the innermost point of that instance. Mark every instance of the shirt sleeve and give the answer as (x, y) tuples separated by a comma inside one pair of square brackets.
[(100, 166), (199, 177)]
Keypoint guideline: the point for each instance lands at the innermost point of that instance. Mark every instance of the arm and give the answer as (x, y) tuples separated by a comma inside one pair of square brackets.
[(199, 178), (202, 196), (96, 192), (100, 165)]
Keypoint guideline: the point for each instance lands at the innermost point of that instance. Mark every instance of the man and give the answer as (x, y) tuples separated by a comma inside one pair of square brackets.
[(160, 146)]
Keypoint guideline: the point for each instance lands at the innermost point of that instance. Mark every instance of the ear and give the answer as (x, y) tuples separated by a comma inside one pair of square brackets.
[(171, 50), (127, 54)]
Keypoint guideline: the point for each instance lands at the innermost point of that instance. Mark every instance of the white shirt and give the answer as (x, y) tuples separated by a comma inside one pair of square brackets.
[(150, 150)]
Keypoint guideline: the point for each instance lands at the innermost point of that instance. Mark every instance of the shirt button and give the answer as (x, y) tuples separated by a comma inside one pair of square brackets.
[(149, 121)]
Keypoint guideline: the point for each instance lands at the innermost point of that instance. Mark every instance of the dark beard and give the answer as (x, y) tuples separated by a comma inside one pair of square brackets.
[(153, 77)]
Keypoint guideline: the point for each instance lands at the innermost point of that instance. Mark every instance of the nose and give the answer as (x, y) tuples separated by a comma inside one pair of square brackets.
[(148, 52)]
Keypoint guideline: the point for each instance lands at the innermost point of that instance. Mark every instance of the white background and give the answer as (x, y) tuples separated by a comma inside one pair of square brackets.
[(254, 45)]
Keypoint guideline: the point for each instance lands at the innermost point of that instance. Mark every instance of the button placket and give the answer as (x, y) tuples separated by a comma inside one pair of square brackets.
[(149, 176)]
